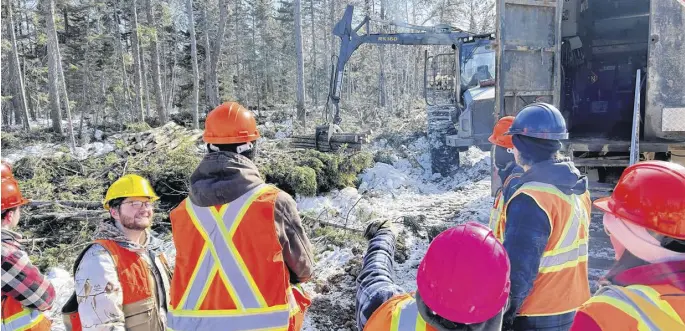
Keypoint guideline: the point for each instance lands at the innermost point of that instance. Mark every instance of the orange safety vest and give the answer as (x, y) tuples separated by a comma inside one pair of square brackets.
[(229, 267), (137, 285), (496, 215), (16, 317), (561, 285), (637, 308), (400, 313)]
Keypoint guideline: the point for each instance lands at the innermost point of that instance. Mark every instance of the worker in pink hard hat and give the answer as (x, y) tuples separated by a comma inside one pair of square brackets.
[(463, 283)]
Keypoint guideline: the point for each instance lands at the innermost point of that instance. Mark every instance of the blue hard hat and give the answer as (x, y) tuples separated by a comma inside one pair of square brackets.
[(539, 120)]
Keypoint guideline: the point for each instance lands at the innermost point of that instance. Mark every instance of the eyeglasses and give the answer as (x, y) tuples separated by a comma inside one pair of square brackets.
[(139, 204)]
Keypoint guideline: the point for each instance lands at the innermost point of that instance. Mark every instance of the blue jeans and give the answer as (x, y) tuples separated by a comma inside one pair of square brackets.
[(376, 281), (544, 323)]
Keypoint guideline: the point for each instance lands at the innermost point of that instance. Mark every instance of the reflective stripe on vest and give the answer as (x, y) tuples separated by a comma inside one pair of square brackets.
[(24, 319), (561, 285), (219, 255), (406, 316), (497, 215), (639, 302), (570, 249)]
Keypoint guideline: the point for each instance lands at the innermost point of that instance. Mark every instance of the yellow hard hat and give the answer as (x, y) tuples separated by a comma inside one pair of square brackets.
[(129, 186)]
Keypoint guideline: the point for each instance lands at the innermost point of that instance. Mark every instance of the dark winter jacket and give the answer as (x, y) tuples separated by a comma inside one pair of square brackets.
[(223, 177), (527, 229)]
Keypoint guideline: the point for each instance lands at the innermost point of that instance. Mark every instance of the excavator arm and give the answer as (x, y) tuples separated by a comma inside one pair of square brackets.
[(351, 39)]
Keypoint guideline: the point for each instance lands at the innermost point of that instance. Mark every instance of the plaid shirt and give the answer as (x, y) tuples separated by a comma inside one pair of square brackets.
[(21, 280)]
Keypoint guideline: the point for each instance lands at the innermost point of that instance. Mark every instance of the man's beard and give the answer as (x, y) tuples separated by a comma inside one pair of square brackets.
[(131, 223)]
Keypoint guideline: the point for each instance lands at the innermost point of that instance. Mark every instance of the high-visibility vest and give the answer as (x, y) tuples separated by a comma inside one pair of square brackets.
[(229, 267), (637, 308), (16, 317), (138, 288), (561, 285), (400, 313), (496, 214)]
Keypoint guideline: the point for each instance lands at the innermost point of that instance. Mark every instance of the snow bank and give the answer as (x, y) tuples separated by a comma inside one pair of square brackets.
[(384, 177), (53, 150)]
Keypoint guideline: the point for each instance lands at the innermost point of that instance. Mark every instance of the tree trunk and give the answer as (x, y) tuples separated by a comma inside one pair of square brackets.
[(146, 87), (193, 55), (137, 74), (65, 96), (53, 48), (19, 94), (314, 89), (326, 50), (154, 55), (29, 100), (53, 76), (301, 114), (209, 99), (120, 56), (213, 92), (381, 75), (236, 32)]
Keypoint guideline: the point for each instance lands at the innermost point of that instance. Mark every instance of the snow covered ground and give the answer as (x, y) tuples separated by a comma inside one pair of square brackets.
[(405, 189)]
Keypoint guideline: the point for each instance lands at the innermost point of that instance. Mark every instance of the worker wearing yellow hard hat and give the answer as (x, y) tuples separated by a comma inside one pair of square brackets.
[(123, 257), (129, 186)]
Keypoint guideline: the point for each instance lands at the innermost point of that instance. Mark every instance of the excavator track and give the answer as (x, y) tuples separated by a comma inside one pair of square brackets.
[(444, 158)]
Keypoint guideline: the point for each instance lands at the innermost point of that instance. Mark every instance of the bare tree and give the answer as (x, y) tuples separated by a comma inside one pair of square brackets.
[(193, 55), (120, 57), (19, 94), (314, 87), (208, 58), (301, 114), (55, 72), (212, 81), (137, 70), (381, 74), (53, 76), (154, 55)]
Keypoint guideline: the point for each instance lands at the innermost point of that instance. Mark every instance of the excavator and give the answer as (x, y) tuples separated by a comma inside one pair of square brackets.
[(459, 86)]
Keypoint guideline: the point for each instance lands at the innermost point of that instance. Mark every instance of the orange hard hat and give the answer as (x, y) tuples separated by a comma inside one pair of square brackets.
[(501, 127), (230, 123), (11, 196), (6, 170), (650, 194)]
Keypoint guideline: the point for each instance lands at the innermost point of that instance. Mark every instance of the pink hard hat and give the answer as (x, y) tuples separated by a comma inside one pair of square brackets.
[(464, 276)]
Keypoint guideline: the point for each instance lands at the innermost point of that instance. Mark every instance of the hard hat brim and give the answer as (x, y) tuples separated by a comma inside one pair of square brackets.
[(540, 135)]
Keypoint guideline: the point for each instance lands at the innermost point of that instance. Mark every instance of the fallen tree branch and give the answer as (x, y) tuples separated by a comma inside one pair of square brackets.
[(84, 215), (66, 203), (331, 224)]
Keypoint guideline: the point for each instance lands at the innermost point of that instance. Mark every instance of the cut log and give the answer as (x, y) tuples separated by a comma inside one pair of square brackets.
[(351, 141), (324, 147)]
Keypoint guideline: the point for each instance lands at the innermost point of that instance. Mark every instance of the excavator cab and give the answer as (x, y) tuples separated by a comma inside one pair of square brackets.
[(458, 85)]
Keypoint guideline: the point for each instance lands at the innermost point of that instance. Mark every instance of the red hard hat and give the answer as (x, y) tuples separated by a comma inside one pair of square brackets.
[(11, 196), (497, 137), (650, 194), (6, 170), (464, 276), (230, 123)]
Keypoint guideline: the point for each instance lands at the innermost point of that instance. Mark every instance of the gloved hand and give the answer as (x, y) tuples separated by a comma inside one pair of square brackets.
[(376, 226)]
